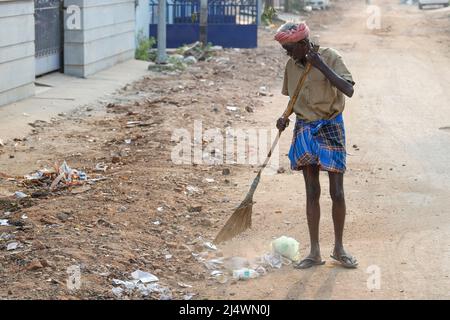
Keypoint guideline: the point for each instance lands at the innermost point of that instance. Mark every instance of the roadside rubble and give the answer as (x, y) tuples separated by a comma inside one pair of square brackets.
[(150, 209), (181, 58)]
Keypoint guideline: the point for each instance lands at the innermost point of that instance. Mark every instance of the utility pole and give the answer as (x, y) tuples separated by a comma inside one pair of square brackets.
[(162, 56), (259, 3), (204, 22)]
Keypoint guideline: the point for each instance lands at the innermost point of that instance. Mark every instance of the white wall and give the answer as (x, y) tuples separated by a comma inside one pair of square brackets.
[(142, 18), (106, 36), (17, 70)]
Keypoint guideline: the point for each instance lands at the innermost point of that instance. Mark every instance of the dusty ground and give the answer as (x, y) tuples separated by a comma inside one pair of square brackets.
[(396, 185)]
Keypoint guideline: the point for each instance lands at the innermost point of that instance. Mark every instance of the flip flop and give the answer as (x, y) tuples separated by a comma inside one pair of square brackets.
[(346, 261), (308, 263)]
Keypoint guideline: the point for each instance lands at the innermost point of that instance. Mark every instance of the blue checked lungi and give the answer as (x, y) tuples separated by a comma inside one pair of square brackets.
[(321, 143)]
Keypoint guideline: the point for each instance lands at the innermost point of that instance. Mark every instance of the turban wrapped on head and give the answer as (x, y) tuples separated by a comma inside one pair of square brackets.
[(292, 32)]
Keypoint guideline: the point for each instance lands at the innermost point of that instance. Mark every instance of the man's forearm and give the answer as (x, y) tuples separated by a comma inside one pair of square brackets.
[(340, 83)]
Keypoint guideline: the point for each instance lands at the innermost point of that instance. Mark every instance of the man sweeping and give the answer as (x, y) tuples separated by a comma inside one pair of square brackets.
[(319, 134)]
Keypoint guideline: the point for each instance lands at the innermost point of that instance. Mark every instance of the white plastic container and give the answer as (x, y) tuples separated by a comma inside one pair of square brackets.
[(245, 274)]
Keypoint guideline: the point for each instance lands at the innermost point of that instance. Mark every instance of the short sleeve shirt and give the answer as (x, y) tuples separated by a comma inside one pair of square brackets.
[(318, 99)]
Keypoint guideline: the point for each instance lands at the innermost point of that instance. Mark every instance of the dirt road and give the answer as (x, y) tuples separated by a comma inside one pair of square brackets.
[(397, 184), (153, 215)]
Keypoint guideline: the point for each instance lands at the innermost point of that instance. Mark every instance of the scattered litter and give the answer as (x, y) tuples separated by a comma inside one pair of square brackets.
[(128, 141), (101, 167), (192, 190), (117, 291), (223, 60), (144, 277), (214, 264), (24, 217), (12, 246), (157, 223), (216, 48), (245, 274), (219, 276), (168, 256), (210, 246), (4, 222), (209, 180), (2, 144), (262, 91), (20, 195), (261, 270), (188, 296), (190, 60), (184, 285), (160, 209), (232, 108), (274, 260), (5, 236), (287, 247), (57, 177)]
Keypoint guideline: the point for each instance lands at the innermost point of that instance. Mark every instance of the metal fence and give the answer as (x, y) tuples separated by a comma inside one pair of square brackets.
[(48, 35), (231, 23)]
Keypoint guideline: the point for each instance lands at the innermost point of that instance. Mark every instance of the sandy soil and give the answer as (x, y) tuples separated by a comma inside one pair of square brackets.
[(396, 185)]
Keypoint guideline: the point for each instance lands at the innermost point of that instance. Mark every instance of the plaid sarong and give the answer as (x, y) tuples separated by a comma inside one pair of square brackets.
[(320, 142)]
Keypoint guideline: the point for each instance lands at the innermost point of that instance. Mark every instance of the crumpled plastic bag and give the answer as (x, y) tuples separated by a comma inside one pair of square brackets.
[(287, 247)]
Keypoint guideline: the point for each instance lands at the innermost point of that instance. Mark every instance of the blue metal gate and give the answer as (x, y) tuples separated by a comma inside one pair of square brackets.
[(231, 23)]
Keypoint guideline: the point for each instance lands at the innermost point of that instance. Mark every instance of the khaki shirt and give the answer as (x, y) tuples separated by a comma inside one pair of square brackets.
[(318, 99)]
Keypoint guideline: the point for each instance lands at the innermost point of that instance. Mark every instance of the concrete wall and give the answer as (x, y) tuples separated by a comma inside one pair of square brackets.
[(106, 36), (142, 18), (17, 69)]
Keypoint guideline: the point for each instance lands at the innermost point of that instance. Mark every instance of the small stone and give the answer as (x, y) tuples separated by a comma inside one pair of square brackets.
[(206, 222), (62, 216), (44, 263), (281, 170), (226, 172), (195, 209), (249, 109), (34, 265), (115, 159), (38, 245)]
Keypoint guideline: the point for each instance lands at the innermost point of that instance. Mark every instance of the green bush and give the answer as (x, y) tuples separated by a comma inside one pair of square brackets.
[(144, 46), (268, 15)]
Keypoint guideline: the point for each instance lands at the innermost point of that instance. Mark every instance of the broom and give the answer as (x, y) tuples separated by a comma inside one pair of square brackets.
[(241, 219)]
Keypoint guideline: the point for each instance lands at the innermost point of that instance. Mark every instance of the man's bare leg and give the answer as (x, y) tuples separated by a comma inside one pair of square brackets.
[(312, 184), (339, 211)]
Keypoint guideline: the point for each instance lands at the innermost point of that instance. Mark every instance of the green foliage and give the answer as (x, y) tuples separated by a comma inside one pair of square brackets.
[(144, 46), (268, 15)]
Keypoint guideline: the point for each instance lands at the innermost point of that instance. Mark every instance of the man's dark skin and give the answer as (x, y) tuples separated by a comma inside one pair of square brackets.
[(302, 52)]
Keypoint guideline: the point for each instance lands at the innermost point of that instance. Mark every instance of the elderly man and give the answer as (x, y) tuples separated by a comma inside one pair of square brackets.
[(319, 135)]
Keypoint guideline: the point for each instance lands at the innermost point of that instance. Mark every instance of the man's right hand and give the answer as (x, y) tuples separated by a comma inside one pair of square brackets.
[(282, 123)]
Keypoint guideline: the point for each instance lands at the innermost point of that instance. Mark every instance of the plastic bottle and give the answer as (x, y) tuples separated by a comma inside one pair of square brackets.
[(245, 274)]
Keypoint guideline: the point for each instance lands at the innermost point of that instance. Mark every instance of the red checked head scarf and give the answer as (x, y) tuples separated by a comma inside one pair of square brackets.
[(292, 32)]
